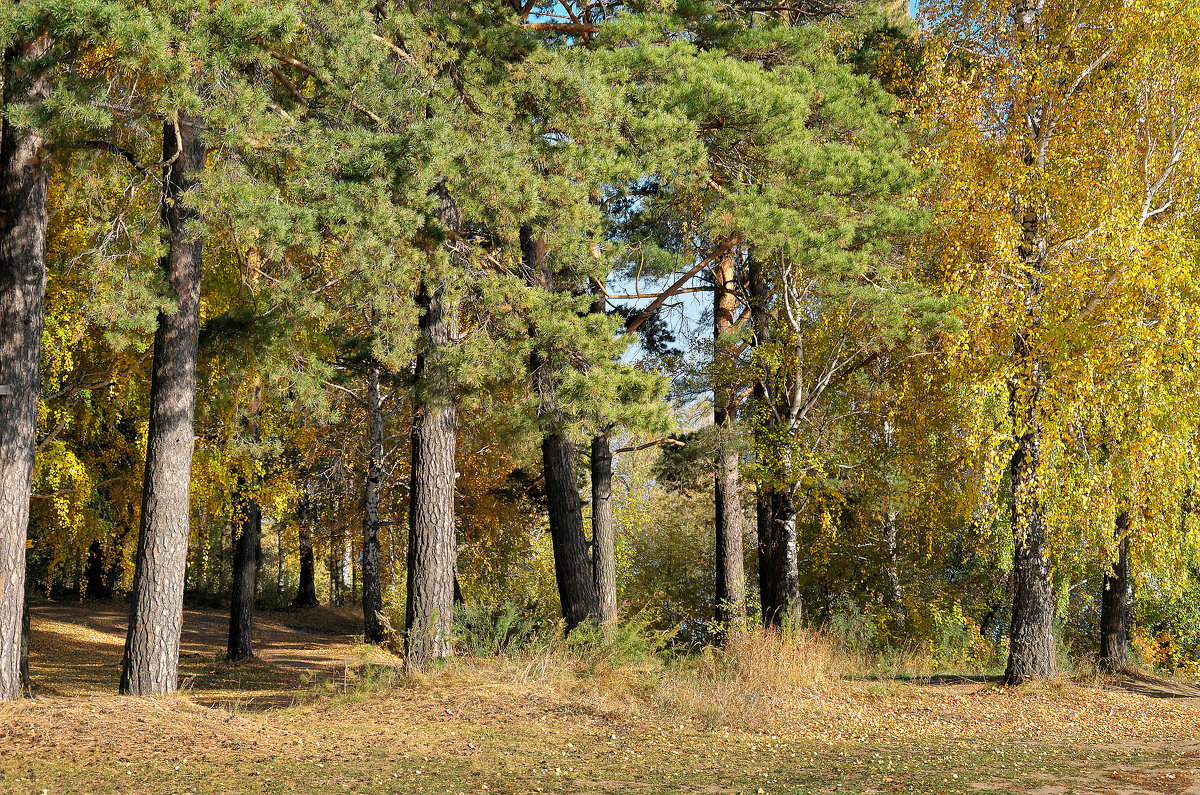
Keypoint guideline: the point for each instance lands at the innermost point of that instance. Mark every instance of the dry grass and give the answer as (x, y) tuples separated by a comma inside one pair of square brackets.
[(774, 713)]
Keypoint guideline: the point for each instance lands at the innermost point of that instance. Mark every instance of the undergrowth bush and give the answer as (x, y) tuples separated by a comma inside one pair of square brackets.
[(480, 632)]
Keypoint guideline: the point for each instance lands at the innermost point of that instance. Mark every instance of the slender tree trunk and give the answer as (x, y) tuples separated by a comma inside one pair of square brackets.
[(892, 570), (245, 566), (280, 567), (604, 536), (778, 572), (24, 215), (338, 581), (221, 557), (730, 595), (151, 660), (572, 569), (432, 545), (372, 591), (247, 553), (348, 578), (890, 540), (1114, 627), (306, 589), (26, 680)]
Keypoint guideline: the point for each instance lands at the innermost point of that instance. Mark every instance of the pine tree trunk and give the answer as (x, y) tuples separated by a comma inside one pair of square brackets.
[(24, 215), (373, 631), (432, 541), (1114, 627), (572, 569), (432, 545), (245, 567), (604, 537), (151, 660), (730, 595)]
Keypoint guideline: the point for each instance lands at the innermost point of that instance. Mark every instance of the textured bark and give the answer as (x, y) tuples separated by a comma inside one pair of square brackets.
[(572, 571), (1114, 606), (372, 591), (432, 545), (730, 593), (1031, 634), (306, 589), (1031, 642), (151, 660), (245, 568), (604, 535), (24, 213), (432, 542)]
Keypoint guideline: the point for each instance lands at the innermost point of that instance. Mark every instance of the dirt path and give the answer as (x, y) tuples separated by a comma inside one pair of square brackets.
[(75, 649)]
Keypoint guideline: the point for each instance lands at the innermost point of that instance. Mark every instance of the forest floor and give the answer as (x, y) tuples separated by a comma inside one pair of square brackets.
[(319, 713)]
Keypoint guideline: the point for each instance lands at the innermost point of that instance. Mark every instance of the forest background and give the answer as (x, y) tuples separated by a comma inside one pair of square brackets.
[(703, 316)]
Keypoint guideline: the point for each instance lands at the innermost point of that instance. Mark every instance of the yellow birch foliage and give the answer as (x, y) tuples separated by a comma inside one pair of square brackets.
[(1109, 164)]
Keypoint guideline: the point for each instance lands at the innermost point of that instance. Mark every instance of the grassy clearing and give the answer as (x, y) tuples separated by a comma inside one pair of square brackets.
[(560, 719)]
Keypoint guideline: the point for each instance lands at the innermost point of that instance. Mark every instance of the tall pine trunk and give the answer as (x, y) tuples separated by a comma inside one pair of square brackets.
[(151, 660), (432, 541), (24, 215), (372, 591), (432, 545), (730, 594), (604, 535), (245, 566), (572, 569), (1114, 611)]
